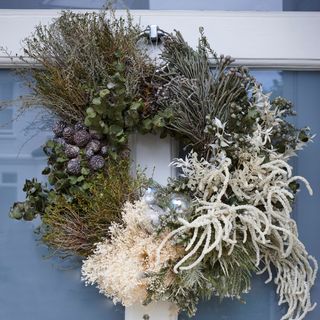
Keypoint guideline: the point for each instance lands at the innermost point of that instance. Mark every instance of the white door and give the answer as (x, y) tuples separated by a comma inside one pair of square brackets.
[(281, 48)]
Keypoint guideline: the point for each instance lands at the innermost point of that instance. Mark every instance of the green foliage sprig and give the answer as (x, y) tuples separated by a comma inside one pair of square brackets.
[(76, 226), (228, 274), (38, 197), (78, 54), (198, 84), (59, 178)]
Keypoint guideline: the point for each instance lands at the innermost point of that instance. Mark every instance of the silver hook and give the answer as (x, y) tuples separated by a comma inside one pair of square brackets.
[(153, 33)]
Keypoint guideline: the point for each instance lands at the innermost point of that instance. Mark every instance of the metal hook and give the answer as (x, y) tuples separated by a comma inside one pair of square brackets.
[(153, 33)]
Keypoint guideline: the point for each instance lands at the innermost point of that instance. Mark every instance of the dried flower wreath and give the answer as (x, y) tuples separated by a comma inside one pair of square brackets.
[(227, 214)]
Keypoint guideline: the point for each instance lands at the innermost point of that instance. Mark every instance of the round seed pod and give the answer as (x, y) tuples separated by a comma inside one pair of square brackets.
[(104, 150), (28, 215), (96, 162), (68, 134), (58, 128), (89, 152), (74, 166), (94, 145), (79, 126), (81, 138), (17, 211), (95, 134), (71, 151)]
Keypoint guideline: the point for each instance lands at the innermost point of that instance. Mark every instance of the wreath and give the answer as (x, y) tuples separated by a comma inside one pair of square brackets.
[(227, 214)]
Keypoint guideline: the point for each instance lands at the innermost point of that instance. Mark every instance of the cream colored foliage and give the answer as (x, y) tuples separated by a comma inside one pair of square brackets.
[(262, 185), (118, 266)]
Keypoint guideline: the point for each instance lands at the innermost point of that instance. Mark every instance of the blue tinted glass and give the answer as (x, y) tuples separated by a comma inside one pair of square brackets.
[(59, 294), (301, 5), (262, 302), (31, 287), (234, 5), (6, 120)]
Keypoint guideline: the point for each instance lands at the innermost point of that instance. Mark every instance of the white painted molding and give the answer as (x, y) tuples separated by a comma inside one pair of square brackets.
[(13, 159), (154, 311), (253, 63), (279, 64), (283, 40)]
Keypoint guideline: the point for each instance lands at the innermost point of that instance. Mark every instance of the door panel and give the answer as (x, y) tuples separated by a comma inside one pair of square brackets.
[(262, 302), (33, 287), (30, 285)]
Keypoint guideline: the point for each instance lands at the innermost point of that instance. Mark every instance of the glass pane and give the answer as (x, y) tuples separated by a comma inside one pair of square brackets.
[(9, 177), (262, 302), (301, 5), (23, 271), (32, 287), (234, 5), (6, 120)]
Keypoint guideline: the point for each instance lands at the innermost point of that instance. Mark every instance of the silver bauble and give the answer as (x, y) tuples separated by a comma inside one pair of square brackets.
[(154, 213), (150, 195), (180, 204)]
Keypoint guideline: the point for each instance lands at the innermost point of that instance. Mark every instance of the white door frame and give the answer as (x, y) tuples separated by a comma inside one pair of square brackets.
[(284, 40), (268, 40)]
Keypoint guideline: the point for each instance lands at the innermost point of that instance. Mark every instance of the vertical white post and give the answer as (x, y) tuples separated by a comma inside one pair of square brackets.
[(153, 311), (153, 154)]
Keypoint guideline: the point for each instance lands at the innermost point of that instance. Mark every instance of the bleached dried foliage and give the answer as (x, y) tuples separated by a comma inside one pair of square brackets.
[(248, 200), (120, 266)]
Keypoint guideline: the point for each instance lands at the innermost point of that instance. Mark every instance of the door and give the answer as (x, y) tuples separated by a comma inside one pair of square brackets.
[(282, 50)]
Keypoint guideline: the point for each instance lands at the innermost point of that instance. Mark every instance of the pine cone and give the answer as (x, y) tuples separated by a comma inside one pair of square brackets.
[(96, 162), (81, 138)]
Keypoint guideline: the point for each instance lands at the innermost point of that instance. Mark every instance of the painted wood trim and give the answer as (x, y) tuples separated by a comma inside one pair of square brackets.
[(253, 63), (284, 40)]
